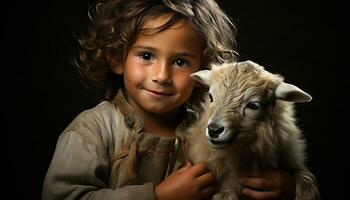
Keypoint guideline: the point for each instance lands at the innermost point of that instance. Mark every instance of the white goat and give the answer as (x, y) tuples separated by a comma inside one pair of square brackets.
[(249, 124)]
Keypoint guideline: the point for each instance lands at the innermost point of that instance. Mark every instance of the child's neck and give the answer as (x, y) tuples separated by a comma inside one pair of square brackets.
[(161, 124)]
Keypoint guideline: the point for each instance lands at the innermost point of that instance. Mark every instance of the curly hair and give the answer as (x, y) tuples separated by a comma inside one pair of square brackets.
[(116, 24)]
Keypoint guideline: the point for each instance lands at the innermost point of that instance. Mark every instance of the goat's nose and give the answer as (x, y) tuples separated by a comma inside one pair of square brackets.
[(214, 130)]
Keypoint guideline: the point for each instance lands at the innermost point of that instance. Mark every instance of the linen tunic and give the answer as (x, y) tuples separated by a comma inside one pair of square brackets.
[(103, 154)]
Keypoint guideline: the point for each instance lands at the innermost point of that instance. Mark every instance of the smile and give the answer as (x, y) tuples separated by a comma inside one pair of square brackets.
[(158, 94)]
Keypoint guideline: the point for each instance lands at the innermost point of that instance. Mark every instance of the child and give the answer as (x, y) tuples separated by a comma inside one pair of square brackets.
[(140, 53)]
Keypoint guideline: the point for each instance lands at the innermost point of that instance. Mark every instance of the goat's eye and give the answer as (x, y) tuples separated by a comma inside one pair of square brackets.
[(210, 97), (254, 105)]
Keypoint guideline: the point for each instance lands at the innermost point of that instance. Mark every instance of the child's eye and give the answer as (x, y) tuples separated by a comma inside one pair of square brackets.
[(181, 62), (145, 55)]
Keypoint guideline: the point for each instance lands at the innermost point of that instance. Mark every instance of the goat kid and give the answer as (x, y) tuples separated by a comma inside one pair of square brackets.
[(249, 124)]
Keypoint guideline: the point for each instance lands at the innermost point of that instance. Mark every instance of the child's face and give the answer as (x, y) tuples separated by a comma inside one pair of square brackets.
[(157, 68)]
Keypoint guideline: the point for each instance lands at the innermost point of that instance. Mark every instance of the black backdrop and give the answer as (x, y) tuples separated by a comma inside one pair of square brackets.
[(303, 40)]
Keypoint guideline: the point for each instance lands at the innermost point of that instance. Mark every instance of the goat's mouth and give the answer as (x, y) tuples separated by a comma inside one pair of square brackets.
[(220, 144)]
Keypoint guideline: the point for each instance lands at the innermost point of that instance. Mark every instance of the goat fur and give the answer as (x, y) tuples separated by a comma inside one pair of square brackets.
[(249, 124)]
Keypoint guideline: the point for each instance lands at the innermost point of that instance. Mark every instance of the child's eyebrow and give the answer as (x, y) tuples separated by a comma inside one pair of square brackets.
[(153, 49), (145, 47)]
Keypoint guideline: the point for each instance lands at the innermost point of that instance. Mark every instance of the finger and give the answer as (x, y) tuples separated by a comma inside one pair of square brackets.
[(199, 169), (259, 195), (257, 174), (257, 183), (206, 180), (186, 167)]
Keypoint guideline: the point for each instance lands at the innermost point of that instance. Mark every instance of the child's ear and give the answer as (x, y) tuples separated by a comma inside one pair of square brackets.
[(114, 65)]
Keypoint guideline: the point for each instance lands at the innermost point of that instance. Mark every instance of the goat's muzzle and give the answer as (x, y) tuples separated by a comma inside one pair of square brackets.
[(219, 136), (214, 130)]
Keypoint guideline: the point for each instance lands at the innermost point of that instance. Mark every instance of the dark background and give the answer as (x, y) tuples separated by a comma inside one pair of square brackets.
[(42, 93)]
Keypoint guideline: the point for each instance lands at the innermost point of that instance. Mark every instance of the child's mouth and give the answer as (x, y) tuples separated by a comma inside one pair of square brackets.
[(158, 94)]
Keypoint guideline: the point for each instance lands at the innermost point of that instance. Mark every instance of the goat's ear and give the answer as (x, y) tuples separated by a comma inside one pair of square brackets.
[(202, 76), (289, 92)]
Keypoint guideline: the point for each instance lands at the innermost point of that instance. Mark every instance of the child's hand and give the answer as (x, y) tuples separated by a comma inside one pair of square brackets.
[(271, 184), (191, 182)]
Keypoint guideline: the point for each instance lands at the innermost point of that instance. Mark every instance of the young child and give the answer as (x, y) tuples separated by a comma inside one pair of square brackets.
[(140, 54)]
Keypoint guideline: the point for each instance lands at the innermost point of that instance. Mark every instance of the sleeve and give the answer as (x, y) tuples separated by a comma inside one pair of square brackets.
[(78, 170)]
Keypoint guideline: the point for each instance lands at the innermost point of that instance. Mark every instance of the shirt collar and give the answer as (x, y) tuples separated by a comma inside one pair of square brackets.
[(131, 119), (134, 121)]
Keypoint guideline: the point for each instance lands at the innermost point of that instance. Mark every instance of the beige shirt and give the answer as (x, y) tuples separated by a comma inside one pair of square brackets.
[(103, 154)]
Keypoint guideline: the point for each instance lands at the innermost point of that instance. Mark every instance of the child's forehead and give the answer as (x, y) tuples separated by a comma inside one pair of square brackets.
[(154, 24)]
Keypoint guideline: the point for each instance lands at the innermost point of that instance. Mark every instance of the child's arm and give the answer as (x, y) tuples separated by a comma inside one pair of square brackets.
[(272, 184), (80, 170), (188, 183)]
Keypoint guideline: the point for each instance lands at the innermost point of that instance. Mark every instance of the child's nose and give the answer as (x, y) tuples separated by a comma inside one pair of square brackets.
[(161, 73)]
